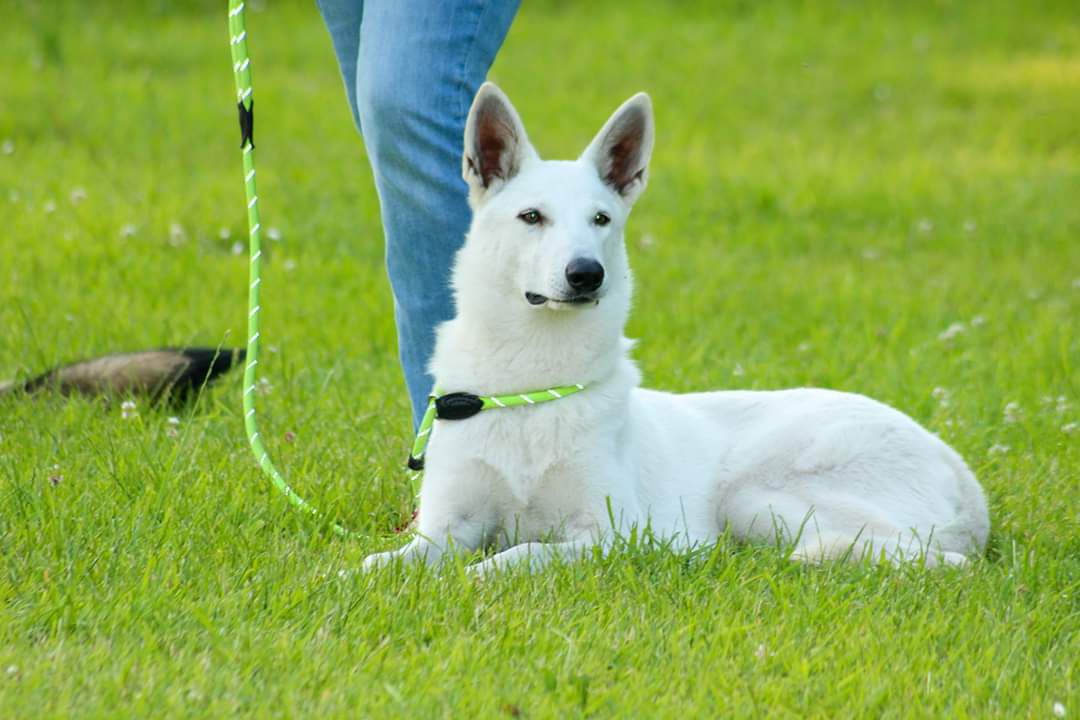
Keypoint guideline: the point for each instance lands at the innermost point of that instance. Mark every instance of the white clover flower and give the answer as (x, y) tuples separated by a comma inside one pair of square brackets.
[(176, 234), (738, 370), (1069, 428), (237, 248), (78, 194), (1013, 412), (8, 146), (803, 347), (289, 265), (1059, 710), (274, 234), (978, 321), (939, 393), (957, 328), (925, 225), (224, 233), (49, 207), (128, 230), (128, 410), (998, 449)]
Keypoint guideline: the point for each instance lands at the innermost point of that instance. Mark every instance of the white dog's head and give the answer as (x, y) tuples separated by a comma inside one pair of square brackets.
[(547, 236)]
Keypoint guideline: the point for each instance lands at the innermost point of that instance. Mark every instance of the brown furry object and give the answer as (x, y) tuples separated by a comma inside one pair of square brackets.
[(172, 374)]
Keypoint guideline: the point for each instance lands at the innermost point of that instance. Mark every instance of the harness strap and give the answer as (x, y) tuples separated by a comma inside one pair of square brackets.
[(462, 405)]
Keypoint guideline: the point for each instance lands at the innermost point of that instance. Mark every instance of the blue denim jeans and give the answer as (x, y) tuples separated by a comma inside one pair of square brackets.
[(411, 68)]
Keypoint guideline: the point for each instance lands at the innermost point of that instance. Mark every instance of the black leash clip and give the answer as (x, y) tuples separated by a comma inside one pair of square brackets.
[(247, 123)]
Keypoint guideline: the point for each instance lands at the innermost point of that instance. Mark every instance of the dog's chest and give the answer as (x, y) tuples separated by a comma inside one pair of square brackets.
[(533, 455)]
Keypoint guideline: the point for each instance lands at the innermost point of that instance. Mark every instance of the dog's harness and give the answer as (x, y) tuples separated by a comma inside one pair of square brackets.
[(462, 405)]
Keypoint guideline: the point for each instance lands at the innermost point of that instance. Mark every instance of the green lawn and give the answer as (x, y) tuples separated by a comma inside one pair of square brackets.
[(883, 198)]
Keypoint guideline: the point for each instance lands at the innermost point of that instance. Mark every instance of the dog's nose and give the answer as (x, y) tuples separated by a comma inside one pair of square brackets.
[(585, 274)]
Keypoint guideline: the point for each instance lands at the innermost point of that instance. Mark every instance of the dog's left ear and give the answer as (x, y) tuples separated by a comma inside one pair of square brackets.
[(622, 148)]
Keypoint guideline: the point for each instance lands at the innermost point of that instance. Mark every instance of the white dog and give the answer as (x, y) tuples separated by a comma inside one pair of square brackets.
[(543, 292)]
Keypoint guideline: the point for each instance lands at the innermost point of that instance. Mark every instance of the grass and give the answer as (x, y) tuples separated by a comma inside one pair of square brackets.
[(835, 186)]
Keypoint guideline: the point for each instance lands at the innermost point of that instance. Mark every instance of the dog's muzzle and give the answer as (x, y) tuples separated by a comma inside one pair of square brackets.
[(584, 276)]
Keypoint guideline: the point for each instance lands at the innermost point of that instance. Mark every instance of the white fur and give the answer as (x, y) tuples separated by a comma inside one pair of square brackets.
[(834, 474)]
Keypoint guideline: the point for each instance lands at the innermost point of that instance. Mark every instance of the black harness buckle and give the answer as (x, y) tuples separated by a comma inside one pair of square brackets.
[(457, 406)]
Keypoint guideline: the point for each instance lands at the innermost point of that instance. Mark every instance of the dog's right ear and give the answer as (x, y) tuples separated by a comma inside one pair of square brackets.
[(495, 143)]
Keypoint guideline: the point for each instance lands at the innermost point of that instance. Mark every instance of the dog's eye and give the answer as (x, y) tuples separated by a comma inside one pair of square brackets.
[(531, 217), (601, 219)]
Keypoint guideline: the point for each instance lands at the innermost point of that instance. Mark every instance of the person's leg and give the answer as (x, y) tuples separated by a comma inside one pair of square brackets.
[(420, 64), (342, 18)]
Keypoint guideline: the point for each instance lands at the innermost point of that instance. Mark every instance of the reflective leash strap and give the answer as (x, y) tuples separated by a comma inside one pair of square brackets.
[(245, 108)]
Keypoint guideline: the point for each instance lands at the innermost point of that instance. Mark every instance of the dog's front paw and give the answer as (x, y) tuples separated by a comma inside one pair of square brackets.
[(946, 559), (482, 569), (417, 550), (379, 560)]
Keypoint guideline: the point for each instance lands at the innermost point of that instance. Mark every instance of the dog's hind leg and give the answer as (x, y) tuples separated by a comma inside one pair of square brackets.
[(814, 547), (897, 548), (829, 527)]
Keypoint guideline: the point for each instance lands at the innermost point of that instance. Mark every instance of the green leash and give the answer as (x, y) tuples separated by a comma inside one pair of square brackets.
[(452, 406), (245, 106)]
